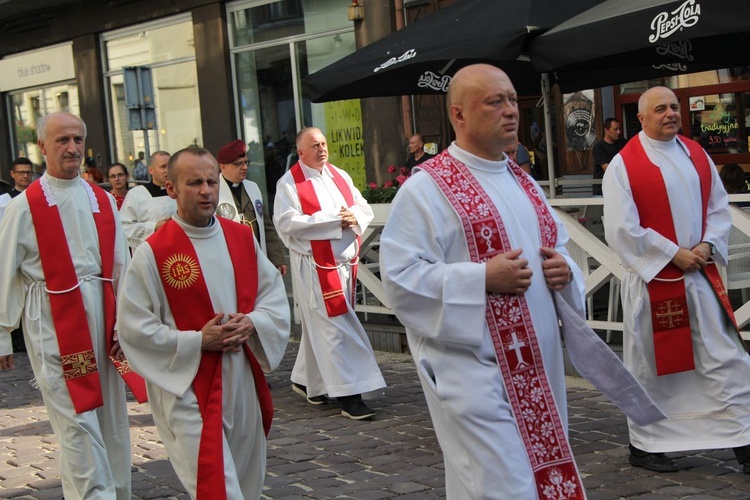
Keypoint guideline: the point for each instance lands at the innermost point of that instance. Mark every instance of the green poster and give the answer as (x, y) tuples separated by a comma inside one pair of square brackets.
[(345, 142)]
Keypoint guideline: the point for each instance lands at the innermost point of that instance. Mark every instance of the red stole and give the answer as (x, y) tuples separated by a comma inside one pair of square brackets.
[(670, 315), (190, 301), (322, 252), (68, 311), (509, 322)]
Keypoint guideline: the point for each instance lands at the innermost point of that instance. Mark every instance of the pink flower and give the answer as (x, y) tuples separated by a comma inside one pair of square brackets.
[(391, 169), (373, 185), (401, 179), (388, 184), (405, 171)]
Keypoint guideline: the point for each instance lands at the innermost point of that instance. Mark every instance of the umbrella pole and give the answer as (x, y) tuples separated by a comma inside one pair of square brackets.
[(548, 136)]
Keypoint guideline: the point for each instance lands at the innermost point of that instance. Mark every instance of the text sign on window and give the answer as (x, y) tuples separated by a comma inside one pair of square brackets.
[(33, 69)]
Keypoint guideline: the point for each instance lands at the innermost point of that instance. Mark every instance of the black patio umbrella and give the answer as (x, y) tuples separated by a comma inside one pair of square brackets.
[(422, 57), (620, 41)]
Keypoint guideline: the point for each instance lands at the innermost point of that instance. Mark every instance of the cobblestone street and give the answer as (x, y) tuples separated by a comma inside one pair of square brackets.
[(313, 452)]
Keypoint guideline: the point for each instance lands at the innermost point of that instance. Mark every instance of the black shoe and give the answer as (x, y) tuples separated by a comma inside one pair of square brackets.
[(353, 407), (315, 400), (657, 462), (743, 457)]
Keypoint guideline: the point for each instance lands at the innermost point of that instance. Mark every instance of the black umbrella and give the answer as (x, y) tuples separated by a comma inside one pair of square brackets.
[(621, 41), (421, 58)]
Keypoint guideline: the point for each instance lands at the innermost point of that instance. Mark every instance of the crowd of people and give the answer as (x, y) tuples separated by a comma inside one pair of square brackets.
[(175, 289)]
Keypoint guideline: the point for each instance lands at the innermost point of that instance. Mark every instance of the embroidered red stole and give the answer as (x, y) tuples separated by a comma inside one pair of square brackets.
[(670, 315), (322, 252), (190, 301), (78, 360), (509, 322)]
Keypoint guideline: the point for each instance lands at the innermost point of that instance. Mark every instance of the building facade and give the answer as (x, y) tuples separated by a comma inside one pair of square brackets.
[(222, 70)]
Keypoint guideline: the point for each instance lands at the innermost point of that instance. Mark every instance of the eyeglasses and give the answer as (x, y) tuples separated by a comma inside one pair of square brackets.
[(116, 176), (22, 172), (240, 164)]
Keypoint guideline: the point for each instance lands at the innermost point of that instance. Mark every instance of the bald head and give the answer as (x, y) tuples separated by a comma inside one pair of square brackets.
[(62, 140), (659, 113), (483, 109), (312, 148)]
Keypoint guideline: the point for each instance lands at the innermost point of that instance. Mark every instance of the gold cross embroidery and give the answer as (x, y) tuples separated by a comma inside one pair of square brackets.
[(669, 317), (722, 290), (78, 364)]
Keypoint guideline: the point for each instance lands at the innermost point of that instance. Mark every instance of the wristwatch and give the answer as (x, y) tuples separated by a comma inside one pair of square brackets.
[(710, 245)]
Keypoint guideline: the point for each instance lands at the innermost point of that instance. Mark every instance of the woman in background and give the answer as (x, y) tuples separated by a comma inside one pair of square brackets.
[(118, 178)]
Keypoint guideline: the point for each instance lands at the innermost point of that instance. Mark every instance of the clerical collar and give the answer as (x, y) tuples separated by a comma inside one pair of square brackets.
[(475, 162), (197, 231), (322, 171), (234, 187), (154, 190)]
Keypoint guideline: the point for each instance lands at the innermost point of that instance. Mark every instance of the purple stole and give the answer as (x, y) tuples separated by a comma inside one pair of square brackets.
[(509, 322)]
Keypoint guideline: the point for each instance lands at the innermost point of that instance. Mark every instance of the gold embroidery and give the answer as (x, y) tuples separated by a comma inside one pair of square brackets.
[(180, 271), (668, 316), (330, 295), (123, 367), (78, 364), (722, 291)]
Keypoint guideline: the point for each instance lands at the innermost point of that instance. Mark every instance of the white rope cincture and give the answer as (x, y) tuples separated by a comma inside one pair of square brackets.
[(313, 301), (34, 314)]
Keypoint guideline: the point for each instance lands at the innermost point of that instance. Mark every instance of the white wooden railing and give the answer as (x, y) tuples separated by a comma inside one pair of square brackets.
[(573, 212)]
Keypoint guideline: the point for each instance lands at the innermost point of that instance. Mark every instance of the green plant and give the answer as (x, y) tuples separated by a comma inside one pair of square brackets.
[(25, 133), (385, 193)]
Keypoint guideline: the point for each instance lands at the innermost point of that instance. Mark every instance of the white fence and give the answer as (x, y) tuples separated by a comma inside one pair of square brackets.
[(582, 218)]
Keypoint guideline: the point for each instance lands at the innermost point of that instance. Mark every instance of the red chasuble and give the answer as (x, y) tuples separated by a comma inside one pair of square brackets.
[(66, 302), (670, 315), (190, 302), (322, 252), (509, 321)]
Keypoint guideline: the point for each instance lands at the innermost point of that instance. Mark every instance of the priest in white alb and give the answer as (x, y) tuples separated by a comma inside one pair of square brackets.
[(666, 215), (470, 257), (204, 315), (320, 216), (147, 207), (64, 256)]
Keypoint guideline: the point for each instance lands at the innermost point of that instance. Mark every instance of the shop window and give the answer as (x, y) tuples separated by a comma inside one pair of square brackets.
[(703, 78), (168, 48), (35, 103), (28, 106), (286, 18), (719, 122), (62, 101)]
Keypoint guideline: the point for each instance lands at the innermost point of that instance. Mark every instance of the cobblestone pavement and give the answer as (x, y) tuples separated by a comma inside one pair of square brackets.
[(313, 452)]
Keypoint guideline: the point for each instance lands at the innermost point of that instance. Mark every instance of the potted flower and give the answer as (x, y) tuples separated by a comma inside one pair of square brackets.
[(385, 193)]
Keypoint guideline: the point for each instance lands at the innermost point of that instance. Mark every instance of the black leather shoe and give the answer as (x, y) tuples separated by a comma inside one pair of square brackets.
[(353, 407), (315, 400), (657, 462), (743, 457)]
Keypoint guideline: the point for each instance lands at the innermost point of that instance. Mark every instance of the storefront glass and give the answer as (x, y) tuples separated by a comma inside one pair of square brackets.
[(169, 50), (267, 21), (30, 105), (276, 45), (720, 122), (728, 75)]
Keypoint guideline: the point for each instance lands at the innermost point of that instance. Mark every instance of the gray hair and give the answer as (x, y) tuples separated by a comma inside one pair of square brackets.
[(41, 124)]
